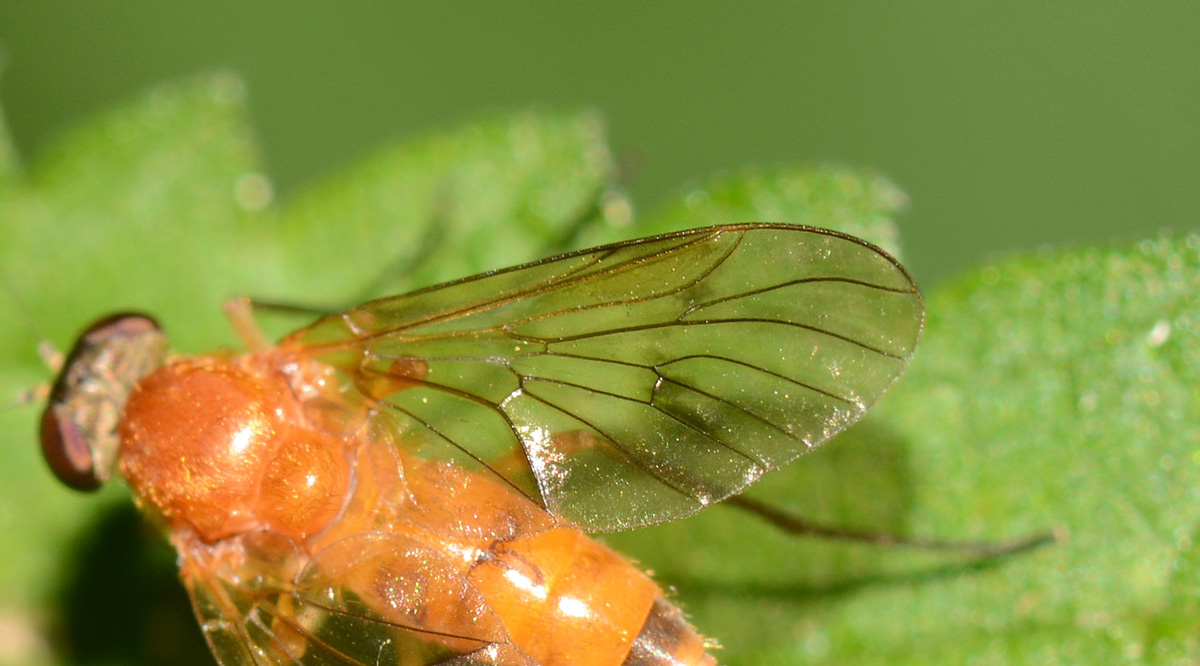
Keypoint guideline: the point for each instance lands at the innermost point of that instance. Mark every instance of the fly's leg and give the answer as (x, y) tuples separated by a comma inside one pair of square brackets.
[(608, 204), (307, 311), (241, 316), (331, 409), (51, 357), (432, 238), (976, 549), (577, 441)]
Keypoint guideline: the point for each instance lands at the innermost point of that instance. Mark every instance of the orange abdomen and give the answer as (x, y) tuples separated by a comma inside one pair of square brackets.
[(566, 599), (221, 449)]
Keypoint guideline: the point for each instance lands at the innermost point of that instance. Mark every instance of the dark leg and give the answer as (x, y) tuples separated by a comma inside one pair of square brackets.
[(984, 549)]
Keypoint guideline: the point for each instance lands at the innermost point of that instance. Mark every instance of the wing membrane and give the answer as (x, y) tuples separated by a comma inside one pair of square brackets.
[(639, 382), (361, 602)]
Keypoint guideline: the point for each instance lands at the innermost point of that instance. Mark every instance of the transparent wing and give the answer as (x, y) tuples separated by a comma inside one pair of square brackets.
[(638, 382), (362, 602)]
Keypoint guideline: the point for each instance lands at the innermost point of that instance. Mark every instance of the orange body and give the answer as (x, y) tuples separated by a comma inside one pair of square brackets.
[(399, 484), (261, 471)]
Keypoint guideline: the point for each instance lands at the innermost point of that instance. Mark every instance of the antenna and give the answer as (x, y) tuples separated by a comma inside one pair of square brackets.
[(50, 355)]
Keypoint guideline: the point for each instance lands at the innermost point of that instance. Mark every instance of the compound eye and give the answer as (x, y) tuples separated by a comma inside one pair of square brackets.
[(67, 450), (79, 426)]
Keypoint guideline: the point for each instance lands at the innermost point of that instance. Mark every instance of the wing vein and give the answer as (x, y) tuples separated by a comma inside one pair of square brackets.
[(716, 322), (702, 333), (748, 413), (610, 440), (453, 442), (568, 278), (792, 283), (790, 380)]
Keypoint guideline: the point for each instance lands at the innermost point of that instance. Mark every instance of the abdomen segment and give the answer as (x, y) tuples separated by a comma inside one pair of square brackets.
[(566, 599)]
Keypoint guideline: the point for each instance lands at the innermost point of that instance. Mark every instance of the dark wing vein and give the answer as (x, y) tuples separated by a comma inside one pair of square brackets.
[(330, 611), (662, 352), (465, 450), (784, 285), (613, 442), (549, 314), (382, 621), (781, 377), (749, 414), (648, 403), (713, 322), (572, 277)]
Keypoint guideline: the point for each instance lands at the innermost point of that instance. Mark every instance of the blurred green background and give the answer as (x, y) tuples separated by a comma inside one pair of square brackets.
[(1010, 126)]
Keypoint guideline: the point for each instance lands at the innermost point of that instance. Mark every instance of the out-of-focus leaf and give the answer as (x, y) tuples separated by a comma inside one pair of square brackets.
[(487, 195), (133, 210), (853, 201), (8, 158)]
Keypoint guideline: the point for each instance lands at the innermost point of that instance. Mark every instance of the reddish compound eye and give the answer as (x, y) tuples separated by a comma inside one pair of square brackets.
[(78, 429)]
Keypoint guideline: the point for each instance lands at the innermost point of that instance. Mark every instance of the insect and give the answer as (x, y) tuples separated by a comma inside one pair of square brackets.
[(410, 481)]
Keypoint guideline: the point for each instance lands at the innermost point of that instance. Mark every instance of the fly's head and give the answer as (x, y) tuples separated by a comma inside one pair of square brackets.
[(79, 426)]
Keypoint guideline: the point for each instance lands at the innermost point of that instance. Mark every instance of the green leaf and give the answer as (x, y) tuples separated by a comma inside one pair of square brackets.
[(1051, 391), (126, 212), (114, 210), (856, 202), (1061, 390), (8, 158), (490, 194)]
